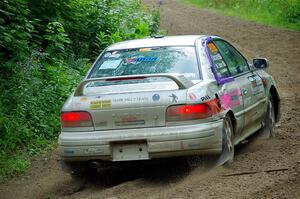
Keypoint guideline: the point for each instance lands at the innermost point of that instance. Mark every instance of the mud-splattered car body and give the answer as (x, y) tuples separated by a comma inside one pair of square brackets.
[(123, 112)]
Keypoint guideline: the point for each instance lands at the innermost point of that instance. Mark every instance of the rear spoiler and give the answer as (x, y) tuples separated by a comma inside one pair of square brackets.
[(181, 81)]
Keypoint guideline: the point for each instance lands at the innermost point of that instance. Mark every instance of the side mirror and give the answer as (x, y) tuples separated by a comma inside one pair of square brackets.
[(260, 63)]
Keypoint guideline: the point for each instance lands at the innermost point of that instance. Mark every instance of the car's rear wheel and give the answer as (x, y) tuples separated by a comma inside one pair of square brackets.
[(227, 154), (269, 121)]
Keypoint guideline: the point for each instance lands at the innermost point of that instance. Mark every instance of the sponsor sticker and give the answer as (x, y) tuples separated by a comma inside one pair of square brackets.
[(100, 104), (131, 99), (216, 57), (83, 99), (155, 97), (174, 98), (257, 86), (212, 48), (204, 98)]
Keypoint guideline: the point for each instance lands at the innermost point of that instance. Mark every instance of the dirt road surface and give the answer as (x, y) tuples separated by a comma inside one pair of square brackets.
[(262, 168)]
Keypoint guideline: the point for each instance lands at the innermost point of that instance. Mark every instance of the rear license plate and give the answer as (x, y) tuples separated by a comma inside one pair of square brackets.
[(130, 151)]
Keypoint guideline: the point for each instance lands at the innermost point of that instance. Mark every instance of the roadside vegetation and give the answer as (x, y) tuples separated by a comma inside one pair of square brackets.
[(280, 13), (46, 47)]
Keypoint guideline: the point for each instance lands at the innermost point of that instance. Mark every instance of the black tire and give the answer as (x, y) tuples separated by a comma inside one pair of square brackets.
[(227, 154), (269, 123)]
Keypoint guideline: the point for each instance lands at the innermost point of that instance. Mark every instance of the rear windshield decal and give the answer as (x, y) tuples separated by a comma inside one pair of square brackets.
[(110, 64), (114, 54), (142, 59), (145, 49), (157, 60)]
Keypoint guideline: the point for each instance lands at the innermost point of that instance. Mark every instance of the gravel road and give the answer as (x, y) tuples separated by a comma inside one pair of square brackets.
[(263, 168)]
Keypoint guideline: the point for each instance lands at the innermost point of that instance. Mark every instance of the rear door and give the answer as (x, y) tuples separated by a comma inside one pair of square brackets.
[(249, 83), (234, 93)]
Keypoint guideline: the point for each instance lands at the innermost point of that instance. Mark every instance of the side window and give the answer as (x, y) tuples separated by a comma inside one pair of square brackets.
[(234, 60), (219, 63)]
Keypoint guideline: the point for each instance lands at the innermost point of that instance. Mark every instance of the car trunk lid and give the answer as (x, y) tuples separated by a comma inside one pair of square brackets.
[(120, 106)]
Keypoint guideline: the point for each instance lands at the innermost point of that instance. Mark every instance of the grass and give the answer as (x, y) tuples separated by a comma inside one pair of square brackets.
[(284, 14), (17, 163), (12, 165)]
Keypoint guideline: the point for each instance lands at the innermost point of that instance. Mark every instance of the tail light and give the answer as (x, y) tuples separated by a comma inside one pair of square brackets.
[(76, 119), (192, 111)]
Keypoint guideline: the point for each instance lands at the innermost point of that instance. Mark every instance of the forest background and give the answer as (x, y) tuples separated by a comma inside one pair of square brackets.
[(46, 48)]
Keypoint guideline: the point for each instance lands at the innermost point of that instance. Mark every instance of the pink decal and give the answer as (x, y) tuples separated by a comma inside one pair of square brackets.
[(226, 101), (231, 99)]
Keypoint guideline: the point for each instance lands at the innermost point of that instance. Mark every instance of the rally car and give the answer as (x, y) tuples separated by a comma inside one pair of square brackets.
[(164, 97)]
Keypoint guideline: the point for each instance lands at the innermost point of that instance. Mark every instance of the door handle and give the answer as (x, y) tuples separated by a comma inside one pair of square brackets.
[(244, 91)]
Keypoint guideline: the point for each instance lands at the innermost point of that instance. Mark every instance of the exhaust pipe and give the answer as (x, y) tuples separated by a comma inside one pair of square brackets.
[(94, 165)]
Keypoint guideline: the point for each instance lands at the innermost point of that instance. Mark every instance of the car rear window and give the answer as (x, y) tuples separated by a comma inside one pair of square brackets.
[(180, 60)]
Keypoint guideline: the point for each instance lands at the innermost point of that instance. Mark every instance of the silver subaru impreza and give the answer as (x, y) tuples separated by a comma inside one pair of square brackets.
[(164, 97)]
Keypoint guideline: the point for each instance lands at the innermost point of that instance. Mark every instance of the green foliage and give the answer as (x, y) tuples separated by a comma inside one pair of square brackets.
[(16, 30), (34, 98), (56, 38), (284, 13), (11, 165), (45, 50)]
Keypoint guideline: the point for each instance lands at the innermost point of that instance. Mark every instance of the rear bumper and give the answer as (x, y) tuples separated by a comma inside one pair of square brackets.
[(161, 142)]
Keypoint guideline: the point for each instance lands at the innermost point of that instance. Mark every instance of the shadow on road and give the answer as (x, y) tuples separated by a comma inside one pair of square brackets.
[(158, 171)]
